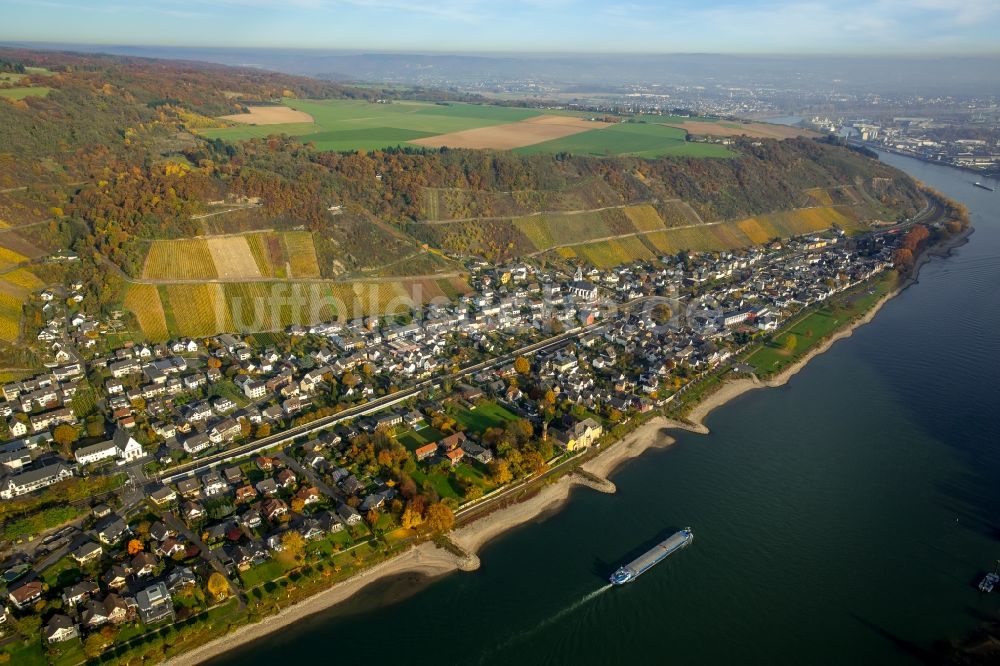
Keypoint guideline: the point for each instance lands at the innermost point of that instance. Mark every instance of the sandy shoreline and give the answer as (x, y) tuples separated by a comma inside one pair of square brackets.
[(430, 561)]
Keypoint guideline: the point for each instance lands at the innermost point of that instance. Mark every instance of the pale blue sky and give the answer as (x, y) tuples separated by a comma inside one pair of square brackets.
[(582, 26)]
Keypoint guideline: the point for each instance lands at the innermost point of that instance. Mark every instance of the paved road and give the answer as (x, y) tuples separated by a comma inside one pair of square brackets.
[(310, 474), (193, 468), (180, 527)]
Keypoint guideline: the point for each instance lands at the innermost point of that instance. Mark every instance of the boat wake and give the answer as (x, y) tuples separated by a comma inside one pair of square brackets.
[(572, 607), (549, 621)]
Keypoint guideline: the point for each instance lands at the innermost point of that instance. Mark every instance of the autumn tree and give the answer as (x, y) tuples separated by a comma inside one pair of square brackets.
[(298, 505), (411, 517), (522, 366), (661, 313), (790, 343), (214, 362), (218, 587), (64, 435), (500, 472), (293, 546), (440, 518), (135, 547), (94, 646)]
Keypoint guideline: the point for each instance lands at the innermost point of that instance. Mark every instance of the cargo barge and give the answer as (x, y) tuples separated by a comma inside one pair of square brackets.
[(653, 556)]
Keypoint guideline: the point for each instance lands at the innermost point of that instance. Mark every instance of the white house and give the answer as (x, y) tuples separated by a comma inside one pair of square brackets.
[(122, 446)]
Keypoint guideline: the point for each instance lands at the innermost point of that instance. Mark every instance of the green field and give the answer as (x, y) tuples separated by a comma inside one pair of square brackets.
[(25, 91), (815, 326), (352, 125), (486, 415), (639, 139), (346, 125)]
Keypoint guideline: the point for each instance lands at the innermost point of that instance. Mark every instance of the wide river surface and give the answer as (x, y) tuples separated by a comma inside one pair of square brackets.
[(841, 519)]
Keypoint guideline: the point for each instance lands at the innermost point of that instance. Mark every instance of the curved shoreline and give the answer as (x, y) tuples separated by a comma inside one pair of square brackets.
[(430, 561), (737, 387)]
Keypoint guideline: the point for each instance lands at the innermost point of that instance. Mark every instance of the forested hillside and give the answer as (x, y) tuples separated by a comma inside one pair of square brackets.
[(104, 161)]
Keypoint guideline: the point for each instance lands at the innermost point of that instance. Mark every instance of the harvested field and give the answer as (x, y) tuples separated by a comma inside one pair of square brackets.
[(269, 115), (512, 135), (233, 258), (424, 291), (753, 130), (186, 259), (454, 286)]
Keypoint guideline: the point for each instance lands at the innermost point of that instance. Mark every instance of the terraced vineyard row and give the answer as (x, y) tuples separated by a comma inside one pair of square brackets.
[(197, 310), (258, 254), (143, 300)]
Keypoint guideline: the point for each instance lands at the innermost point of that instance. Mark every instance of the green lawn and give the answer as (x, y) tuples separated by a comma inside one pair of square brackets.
[(413, 439), (31, 654), (264, 573), (639, 139), (61, 574), (486, 415), (25, 91), (442, 483)]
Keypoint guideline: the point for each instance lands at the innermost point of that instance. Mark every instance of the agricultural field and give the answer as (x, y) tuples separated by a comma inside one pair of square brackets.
[(269, 114), (355, 125), (9, 258), (10, 316), (183, 259), (143, 301), (750, 129), (233, 257), (301, 254), (608, 254), (644, 218), (21, 92), (346, 125), (23, 278), (639, 139), (512, 135), (196, 310), (545, 231)]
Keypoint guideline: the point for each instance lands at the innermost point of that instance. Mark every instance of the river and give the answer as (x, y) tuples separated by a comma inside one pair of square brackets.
[(843, 518)]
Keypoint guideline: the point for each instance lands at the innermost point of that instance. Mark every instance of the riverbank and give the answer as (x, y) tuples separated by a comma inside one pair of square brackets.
[(736, 387), (428, 561)]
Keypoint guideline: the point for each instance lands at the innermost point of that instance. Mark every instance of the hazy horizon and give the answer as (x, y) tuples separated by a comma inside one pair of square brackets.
[(550, 27)]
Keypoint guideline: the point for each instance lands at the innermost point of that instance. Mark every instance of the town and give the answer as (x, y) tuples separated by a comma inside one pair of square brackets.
[(150, 484)]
